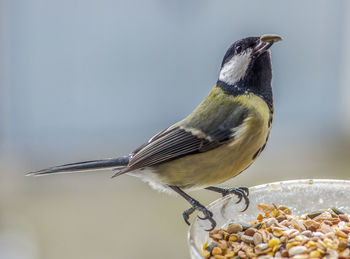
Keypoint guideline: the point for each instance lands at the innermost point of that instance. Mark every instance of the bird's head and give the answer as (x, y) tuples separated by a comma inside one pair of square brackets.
[(246, 56)]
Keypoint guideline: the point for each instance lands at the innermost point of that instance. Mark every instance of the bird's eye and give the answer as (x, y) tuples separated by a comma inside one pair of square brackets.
[(238, 49)]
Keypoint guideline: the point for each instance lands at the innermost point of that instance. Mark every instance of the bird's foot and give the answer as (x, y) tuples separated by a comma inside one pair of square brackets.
[(208, 215), (240, 192)]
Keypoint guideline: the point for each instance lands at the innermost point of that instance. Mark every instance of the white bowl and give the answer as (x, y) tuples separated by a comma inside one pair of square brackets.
[(301, 196)]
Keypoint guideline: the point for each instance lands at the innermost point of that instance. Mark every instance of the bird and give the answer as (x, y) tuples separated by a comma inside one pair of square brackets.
[(221, 138)]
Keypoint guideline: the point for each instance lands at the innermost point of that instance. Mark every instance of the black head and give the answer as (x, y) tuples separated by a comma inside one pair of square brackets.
[(238, 47), (246, 67)]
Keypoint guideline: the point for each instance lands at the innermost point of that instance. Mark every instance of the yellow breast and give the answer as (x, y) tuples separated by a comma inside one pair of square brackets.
[(220, 164)]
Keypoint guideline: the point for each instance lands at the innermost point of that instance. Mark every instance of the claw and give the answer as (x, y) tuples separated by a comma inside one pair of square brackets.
[(245, 189), (186, 214), (213, 224), (240, 195), (241, 192), (208, 215), (203, 218), (246, 201)]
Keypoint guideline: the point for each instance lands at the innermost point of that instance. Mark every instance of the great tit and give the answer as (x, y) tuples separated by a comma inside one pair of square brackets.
[(217, 141)]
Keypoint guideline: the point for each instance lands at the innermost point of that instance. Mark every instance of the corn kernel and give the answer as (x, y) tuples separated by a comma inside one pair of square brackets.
[(327, 240), (275, 248), (205, 254), (274, 213), (205, 245), (291, 244), (277, 233), (233, 238), (299, 238), (320, 250), (315, 254), (273, 242), (311, 243), (329, 243), (231, 254), (216, 251)]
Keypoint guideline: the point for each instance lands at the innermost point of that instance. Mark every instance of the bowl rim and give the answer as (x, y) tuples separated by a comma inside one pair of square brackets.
[(190, 240)]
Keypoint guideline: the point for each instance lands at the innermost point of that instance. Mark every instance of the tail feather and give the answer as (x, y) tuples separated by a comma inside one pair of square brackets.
[(84, 166)]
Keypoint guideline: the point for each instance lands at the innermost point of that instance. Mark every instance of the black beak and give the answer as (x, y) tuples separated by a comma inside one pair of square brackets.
[(265, 42)]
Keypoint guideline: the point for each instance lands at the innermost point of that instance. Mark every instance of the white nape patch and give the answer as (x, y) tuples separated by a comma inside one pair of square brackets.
[(235, 69)]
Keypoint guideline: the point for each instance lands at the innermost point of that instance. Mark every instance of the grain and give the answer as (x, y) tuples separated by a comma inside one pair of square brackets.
[(277, 233)]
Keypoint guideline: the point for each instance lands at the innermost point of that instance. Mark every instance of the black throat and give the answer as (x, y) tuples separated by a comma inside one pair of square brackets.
[(256, 81)]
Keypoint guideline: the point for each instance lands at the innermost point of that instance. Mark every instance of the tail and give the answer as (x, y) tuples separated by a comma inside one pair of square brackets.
[(119, 162)]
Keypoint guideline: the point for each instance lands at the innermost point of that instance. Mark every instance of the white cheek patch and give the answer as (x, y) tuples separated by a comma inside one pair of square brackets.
[(235, 69)]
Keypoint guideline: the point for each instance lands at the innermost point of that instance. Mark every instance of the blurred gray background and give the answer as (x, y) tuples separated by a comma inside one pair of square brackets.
[(82, 79)]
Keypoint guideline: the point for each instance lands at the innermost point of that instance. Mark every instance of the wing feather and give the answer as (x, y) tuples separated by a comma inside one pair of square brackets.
[(176, 141)]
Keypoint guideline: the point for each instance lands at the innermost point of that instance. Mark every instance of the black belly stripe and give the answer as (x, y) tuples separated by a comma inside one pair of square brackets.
[(259, 151), (270, 121), (256, 154)]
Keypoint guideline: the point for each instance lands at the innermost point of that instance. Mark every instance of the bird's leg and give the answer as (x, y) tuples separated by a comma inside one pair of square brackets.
[(195, 206), (241, 192)]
